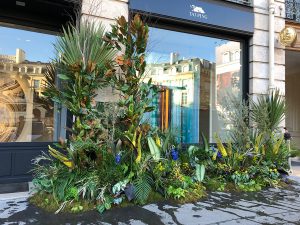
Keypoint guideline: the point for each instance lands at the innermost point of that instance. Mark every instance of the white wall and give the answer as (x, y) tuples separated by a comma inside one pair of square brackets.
[(104, 11), (259, 50)]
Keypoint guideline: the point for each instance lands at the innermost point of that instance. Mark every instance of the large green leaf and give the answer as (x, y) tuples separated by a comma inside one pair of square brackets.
[(200, 172), (154, 149)]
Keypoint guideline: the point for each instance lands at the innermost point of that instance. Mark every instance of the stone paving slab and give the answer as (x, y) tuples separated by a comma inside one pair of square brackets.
[(271, 206)]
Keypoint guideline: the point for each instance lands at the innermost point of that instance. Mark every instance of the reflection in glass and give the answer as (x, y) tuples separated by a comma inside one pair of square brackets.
[(194, 74), (25, 116)]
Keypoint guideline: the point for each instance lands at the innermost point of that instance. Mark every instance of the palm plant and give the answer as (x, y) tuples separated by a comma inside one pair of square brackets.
[(80, 69), (268, 112)]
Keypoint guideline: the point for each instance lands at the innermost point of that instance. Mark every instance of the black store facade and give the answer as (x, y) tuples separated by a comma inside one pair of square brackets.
[(198, 53)]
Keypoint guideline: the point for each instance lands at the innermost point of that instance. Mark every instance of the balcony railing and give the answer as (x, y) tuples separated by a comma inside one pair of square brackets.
[(242, 2), (292, 10)]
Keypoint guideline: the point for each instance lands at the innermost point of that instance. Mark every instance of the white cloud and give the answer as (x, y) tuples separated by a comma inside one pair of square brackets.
[(27, 40)]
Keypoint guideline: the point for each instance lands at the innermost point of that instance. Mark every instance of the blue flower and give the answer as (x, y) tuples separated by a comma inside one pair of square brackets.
[(174, 154), (118, 158), (219, 155)]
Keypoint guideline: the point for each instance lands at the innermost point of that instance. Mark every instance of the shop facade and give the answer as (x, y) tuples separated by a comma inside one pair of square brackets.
[(292, 53), (200, 52)]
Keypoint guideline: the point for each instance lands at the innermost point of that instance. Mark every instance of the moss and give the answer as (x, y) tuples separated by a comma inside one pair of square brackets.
[(192, 196), (155, 197), (48, 203), (215, 184)]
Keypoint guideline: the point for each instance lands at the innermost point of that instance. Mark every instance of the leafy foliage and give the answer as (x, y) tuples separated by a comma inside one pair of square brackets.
[(143, 187), (268, 112), (113, 153)]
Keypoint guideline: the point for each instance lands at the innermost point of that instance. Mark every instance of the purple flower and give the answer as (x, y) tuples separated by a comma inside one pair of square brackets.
[(118, 158)]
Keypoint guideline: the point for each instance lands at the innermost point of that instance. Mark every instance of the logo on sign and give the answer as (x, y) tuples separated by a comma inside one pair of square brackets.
[(197, 11)]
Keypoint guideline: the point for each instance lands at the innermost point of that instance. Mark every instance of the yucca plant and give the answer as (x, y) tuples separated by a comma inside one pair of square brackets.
[(268, 112)]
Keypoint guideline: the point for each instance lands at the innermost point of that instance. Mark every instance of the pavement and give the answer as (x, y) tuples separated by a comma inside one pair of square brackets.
[(270, 206)]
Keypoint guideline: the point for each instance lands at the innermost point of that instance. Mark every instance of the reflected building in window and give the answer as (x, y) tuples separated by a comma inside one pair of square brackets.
[(228, 82), (228, 67), (184, 96), (25, 115)]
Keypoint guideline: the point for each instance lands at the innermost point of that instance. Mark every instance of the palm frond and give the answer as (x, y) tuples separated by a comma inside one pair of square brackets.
[(142, 187), (84, 45), (268, 112)]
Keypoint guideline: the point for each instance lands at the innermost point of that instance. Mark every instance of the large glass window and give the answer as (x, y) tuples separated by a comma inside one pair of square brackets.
[(25, 116), (195, 73)]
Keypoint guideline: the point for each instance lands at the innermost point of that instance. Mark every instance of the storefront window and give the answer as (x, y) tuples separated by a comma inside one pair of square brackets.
[(25, 116), (195, 73)]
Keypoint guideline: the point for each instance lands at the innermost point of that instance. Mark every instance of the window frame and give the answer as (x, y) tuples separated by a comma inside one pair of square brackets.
[(60, 113), (208, 31)]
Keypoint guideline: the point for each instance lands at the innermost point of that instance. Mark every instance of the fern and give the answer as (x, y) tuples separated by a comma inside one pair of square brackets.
[(142, 188)]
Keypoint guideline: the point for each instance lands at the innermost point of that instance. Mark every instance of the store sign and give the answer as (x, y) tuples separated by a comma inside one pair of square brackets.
[(216, 14), (197, 11), (288, 36)]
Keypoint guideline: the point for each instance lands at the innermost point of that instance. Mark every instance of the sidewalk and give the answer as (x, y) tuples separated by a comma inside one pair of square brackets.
[(271, 206)]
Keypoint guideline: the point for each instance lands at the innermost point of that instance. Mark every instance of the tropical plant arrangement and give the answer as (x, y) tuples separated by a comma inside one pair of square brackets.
[(255, 154), (107, 162), (114, 156)]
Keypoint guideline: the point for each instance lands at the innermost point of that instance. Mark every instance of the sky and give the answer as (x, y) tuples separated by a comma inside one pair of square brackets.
[(37, 46), (163, 42)]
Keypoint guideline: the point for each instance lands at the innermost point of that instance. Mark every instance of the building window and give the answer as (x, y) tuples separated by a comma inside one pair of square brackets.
[(184, 99), (25, 116), (192, 102), (237, 55), (226, 57), (36, 84)]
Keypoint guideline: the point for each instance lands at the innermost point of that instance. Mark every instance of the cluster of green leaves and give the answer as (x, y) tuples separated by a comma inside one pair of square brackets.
[(114, 155), (254, 152), (72, 79)]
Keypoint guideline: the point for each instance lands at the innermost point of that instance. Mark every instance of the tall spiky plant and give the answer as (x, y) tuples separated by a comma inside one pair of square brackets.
[(80, 69), (268, 112), (82, 61)]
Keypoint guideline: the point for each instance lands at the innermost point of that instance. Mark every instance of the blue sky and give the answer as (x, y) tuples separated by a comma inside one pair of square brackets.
[(38, 46), (163, 42)]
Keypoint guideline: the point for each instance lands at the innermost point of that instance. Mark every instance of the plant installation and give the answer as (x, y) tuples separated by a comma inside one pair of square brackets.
[(114, 156), (254, 154), (108, 161)]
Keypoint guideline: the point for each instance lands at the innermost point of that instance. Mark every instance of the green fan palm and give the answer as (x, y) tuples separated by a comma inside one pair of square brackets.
[(84, 45), (80, 69), (83, 59), (268, 112)]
